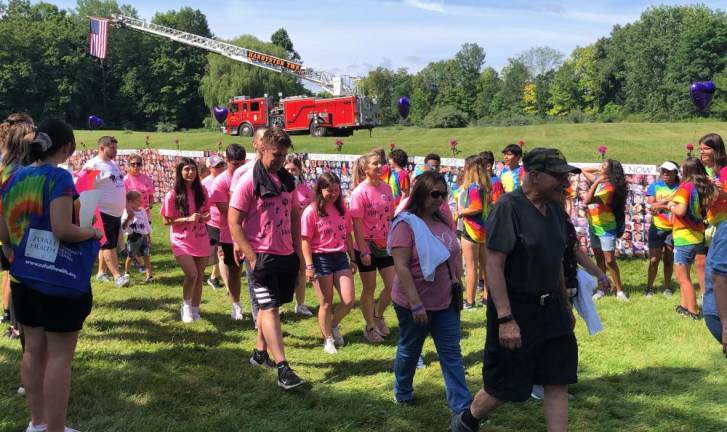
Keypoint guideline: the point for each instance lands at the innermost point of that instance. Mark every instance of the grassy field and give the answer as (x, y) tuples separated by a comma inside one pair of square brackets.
[(644, 143), (138, 368)]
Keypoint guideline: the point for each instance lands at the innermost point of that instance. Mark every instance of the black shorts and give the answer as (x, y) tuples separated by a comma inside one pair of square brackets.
[(54, 314), (111, 229), (214, 235), (273, 279), (658, 239), (376, 263), (509, 375), (4, 263), (228, 252), (137, 245)]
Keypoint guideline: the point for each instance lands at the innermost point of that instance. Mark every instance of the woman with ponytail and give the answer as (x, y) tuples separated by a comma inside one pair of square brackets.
[(39, 198)]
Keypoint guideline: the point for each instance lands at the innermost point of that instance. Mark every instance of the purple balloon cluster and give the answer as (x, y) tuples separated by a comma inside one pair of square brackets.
[(220, 114), (94, 122), (701, 93), (404, 106)]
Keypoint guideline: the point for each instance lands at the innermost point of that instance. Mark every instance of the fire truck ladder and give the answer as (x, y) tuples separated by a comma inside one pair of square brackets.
[(337, 85)]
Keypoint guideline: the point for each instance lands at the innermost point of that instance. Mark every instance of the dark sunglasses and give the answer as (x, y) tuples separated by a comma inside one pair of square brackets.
[(438, 194), (135, 164)]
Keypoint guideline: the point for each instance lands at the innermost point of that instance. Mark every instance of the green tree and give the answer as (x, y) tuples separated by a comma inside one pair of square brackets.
[(514, 78), (489, 85), (540, 60), (281, 39)]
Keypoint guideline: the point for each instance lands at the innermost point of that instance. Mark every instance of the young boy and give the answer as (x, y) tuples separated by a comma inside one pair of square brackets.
[(512, 173), (135, 224)]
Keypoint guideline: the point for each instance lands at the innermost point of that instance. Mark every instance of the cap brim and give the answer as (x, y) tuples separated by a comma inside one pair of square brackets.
[(565, 168)]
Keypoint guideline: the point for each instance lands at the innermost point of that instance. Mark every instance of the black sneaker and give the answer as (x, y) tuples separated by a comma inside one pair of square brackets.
[(287, 379), (650, 292), (681, 310), (261, 358), (469, 306)]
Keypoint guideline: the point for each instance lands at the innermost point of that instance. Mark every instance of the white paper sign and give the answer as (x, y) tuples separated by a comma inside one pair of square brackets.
[(42, 245), (89, 201)]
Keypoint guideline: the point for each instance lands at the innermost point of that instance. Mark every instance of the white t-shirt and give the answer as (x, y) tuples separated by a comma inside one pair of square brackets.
[(111, 183), (139, 223)]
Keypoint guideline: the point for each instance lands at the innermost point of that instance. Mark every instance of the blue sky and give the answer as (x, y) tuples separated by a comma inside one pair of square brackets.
[(355, 36)]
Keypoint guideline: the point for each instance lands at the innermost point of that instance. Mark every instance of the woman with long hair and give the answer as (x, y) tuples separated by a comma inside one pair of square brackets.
[(185, 209), (473, 206), (40, 198), (424, 294), (303, 195), (661, 241), (606, 200), (689, 207), (712, 154), (371, 210), (326, 234)]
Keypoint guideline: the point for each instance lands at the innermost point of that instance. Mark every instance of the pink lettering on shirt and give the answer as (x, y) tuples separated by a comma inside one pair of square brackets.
[(327, 234)]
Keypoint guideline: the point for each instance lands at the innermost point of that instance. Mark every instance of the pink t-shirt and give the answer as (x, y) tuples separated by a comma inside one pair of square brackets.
[(189, 238), (303, 195), (221, 194), (374, 206), (436, 295), (268, 222), (141, 183), (444, 208), (237, 175), (214, 211), (327, 234)]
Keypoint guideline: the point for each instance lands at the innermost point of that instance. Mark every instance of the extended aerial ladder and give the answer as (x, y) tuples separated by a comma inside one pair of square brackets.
[(337, 85)]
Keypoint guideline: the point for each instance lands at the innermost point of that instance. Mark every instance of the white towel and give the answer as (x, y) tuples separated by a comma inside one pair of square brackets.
[(583, 302), (430, 249)]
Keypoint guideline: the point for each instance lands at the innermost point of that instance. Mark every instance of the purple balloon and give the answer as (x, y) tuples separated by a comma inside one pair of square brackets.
[(94, 122), (220, 113), (701, 93), (404, 106)]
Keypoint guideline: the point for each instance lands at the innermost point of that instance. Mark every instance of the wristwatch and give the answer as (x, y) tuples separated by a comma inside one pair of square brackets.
[(506, 319)]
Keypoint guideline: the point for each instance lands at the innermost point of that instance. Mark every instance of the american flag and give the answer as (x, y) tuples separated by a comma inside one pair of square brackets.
[(97, 37)]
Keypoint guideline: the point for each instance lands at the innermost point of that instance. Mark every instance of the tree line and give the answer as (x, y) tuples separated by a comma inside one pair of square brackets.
[(640, 71)]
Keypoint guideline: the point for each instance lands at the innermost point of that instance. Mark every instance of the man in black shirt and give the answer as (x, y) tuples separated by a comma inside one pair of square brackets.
[(530, 336)]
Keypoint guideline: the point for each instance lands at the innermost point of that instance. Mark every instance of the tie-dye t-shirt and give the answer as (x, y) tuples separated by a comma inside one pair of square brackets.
[(717, 212), (688, 229), (497, 189), (399, 182), (27, 195), (661, 191), (473, 198), (512, 179), (601, 219)]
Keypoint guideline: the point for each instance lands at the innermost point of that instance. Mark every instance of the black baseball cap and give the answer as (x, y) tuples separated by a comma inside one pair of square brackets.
[(549, 160)]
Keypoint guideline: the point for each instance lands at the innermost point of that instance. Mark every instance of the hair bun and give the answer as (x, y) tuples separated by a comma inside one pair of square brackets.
[(43, 140)]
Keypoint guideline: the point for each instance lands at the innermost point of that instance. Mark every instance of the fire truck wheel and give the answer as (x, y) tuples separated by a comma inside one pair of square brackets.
[(246, 130), (318, 131)]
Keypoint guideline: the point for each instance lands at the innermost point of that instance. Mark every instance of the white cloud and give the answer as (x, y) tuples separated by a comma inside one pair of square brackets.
[(431, 6)]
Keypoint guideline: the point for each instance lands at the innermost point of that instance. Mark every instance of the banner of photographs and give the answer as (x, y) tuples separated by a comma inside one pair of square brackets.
[(160, 166)]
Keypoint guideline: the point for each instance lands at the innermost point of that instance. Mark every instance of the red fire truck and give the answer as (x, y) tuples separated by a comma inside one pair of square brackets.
[(338, 116)]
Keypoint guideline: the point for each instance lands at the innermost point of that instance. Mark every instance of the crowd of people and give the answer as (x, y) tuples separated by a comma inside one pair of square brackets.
[(508, 235)]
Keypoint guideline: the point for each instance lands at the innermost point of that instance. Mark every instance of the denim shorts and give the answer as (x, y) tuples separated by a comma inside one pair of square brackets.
[(684, 255), (606, 243), (330, 263), (658, 238)]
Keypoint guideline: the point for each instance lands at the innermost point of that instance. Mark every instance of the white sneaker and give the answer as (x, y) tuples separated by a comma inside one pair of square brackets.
[(337, 336), (668, 293), (236, 312), (195, 313), (122, 281), (103, 277), (36, 428), (302, 309), (599, 294), (330, 346), (186, 313), (538, 392), (622, 296)]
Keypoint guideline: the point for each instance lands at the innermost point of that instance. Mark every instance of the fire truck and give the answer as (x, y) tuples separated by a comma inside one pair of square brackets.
[(338, 116)]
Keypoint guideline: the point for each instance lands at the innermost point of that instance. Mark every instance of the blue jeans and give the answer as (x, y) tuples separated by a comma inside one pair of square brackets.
[(444, 326), (714, 325)]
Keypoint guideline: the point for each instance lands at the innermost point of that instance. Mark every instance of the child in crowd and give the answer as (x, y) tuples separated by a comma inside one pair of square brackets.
[(512, 173), (135, 223), (398, 175)]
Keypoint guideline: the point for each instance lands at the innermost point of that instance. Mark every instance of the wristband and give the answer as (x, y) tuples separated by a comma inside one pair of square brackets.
[(417, 308), (310, 267), (506, 319)]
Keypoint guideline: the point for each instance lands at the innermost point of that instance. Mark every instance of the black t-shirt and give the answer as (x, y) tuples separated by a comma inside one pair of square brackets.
[(570, 264), (533, 242)]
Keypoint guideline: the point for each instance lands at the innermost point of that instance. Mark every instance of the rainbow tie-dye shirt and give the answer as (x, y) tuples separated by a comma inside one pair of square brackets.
[(399, 182), (512, 179), (688, 229), (27, 195), (601, 219), (717, 212), (497, 190), (473, 198), (662, 192)]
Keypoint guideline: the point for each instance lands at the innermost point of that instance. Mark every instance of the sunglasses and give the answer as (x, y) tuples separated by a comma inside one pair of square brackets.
[(438, 194), (135, 164)]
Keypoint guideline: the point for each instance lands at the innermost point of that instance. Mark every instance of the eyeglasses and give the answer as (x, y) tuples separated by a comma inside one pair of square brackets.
[(438, 194), (135, 164)]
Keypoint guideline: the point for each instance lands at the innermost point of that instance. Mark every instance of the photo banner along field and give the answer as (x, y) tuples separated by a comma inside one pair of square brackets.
[(160, 165)]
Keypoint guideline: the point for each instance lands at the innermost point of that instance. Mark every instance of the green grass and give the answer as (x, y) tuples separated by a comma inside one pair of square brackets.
[(138, 368), (642, 143)]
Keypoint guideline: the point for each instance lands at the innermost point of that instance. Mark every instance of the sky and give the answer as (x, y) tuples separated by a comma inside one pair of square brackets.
[(353, 37)]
